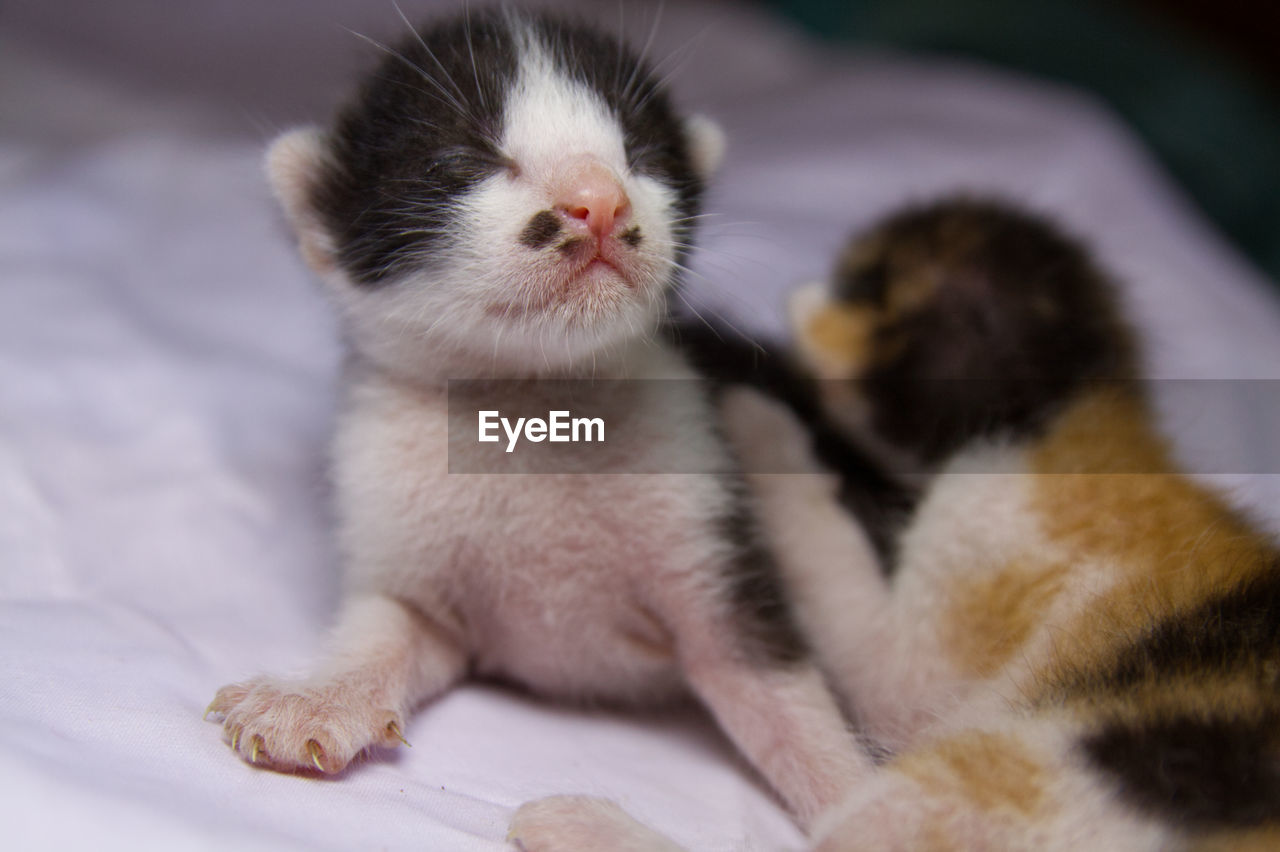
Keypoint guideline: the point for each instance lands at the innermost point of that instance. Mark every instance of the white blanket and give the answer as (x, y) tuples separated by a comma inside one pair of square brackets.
[(166, 383)]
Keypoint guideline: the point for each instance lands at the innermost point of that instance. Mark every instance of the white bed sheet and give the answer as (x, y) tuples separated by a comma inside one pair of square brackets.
[(166, 379)]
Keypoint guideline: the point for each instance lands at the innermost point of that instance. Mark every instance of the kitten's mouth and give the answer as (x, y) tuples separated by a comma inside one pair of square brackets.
[(594, 276), (599, 264), (590, 263)]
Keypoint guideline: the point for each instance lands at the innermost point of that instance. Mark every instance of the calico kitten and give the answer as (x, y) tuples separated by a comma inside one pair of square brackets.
[(509, 197), (1072, 645)]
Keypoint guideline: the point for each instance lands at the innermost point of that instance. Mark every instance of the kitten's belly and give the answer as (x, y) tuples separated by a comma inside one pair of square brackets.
[(579, 647), (551, 579), (564, 602)]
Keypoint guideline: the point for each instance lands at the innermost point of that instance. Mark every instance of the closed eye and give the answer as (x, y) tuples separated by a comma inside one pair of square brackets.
[(475, 162)]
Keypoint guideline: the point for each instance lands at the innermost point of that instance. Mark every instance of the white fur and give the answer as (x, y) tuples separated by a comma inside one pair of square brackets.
[(608, 585), (707, 143), (291, 163)]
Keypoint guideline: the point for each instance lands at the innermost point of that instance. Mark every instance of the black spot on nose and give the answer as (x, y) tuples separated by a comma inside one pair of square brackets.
[(541, 230), (632, 236)]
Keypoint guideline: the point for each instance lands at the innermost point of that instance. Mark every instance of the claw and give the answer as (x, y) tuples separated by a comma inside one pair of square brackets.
[(257, 747), (394, 729), (235, 739), (313, 748), (209, 709)]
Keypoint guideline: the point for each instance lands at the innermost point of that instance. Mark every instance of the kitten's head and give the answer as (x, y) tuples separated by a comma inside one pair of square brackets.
[(506, 192), (957, 320)]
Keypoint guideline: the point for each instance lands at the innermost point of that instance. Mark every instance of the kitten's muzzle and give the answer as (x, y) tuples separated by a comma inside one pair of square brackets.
[(589, 199)]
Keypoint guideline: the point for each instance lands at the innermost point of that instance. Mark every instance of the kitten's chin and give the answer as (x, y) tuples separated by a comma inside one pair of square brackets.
[(584, 317), (578, 337), (582, 294), (561, 346)]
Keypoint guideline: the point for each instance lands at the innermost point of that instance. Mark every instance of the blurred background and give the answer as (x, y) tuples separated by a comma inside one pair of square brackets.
[(1199, 80)]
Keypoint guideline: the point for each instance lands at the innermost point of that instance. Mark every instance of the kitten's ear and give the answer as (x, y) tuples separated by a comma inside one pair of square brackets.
[(831, 338), (294, 163), (706, 144)]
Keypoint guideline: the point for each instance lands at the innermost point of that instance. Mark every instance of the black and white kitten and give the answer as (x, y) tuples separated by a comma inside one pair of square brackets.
[(509, 197)]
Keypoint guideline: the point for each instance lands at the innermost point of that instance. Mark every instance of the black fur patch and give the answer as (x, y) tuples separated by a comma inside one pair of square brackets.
[(424, 129), (1016, 318), (1236, 631), (1215, 768), (541, 230), (1200, 773), (760, 608), (882, 505), (632, 236)]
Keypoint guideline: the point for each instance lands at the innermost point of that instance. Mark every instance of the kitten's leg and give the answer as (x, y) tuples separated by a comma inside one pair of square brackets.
[(783, 720), (385, 658), (781, 717), (582, 824), (742, 655), (828, 565), (786, 722)]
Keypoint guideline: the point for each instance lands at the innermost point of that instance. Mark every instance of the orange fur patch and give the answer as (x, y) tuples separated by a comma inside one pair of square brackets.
[(837, 339), (992, 771), (990, 616), (1107, 488), (1226, 695)]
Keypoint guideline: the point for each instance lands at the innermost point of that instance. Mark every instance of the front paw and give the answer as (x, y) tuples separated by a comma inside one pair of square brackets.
[(765, 434), (581, 824), (289, 726)]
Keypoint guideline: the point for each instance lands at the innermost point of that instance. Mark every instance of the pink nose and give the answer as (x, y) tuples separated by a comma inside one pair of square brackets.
[(589, 198)]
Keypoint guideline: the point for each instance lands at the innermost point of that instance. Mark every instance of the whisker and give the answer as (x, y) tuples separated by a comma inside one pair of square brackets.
[(448, 98), (751, 341), (617, 70), (644, 54), (684, 53), (475, 73), (423, 42)]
